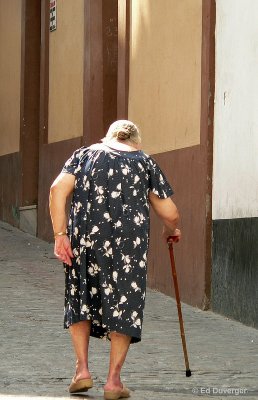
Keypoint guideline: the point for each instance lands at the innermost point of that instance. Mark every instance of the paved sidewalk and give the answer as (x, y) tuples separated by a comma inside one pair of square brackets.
[(37, 358)]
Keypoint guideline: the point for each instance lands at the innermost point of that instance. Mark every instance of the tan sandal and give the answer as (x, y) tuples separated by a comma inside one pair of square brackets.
[(80, 386), (117, 394)]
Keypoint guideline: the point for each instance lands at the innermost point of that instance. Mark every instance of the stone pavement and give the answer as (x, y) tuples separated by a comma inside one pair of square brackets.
[(36, 356)]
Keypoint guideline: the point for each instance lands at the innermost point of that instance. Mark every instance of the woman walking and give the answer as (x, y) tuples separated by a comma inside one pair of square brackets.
[(104, 245)]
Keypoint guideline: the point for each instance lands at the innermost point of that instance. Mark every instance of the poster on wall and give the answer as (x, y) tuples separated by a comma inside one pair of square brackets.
[(52, 20)]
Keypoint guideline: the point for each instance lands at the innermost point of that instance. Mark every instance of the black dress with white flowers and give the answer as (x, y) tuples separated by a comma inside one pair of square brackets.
[(109, 232)]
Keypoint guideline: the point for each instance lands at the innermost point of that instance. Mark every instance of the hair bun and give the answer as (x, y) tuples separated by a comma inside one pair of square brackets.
[(122, 135), (123, 130)]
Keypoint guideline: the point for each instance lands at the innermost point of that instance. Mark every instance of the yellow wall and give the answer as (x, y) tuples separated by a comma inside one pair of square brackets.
[(66, 72), (165, 72), (10, 75)]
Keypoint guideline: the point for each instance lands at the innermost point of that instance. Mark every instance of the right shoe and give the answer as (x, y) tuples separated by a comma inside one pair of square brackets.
[(117, 394)]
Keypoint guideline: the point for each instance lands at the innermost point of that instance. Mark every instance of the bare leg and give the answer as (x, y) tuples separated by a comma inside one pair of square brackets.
[(119, 347), (80, 333)]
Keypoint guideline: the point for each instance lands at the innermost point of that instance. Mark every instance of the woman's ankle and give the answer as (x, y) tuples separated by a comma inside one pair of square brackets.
[(84, 374), (82, 364), (82, 370), (113, 381)]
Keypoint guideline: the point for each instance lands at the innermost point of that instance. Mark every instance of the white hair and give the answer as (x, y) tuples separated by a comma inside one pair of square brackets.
[(123, 130)]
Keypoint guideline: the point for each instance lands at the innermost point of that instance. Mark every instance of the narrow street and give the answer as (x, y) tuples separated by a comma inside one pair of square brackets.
[(37, 357)]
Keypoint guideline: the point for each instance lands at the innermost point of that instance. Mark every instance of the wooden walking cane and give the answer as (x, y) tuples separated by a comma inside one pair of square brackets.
[(170, 241)]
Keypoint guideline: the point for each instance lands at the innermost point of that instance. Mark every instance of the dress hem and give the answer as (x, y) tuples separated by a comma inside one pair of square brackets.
[(100, 332)]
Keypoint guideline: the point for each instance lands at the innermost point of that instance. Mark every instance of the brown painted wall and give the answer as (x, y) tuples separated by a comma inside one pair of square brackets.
[(184, 170), (10, 75), (19, 118), (165, 72), (66, 72), (110, 54), (99, 96), (100, 68), (189, 170), (52, 159), (10, 176), (29, 102)]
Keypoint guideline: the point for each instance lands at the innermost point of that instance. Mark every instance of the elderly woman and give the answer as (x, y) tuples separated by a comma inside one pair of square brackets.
[(104, 246)]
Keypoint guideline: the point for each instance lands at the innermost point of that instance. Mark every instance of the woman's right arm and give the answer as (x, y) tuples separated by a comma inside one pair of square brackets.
[(60, 190), (167, 211)]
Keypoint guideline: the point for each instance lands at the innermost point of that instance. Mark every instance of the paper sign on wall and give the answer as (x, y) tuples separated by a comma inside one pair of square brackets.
[(52, 16)]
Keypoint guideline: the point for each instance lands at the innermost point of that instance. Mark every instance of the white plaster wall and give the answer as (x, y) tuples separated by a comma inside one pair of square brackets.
[(235, 167)]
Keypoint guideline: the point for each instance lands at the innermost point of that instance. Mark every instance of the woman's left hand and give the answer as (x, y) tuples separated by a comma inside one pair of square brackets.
[(63, 250), (172, 236)]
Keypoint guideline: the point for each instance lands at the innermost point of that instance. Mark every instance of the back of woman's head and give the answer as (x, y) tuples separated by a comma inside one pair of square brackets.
[(123, 130)]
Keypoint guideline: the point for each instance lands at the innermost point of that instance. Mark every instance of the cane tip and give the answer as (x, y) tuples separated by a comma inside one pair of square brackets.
[(188, 372)]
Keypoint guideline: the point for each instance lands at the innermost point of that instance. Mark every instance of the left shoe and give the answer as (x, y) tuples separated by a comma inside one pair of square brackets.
[(80, 386)]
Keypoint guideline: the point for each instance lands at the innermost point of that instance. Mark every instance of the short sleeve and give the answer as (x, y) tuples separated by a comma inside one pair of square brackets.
[(72, 164), (158, 183)]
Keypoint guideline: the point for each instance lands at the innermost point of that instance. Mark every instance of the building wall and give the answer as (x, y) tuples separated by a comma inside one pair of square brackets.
[(165, 57), (165, 89), (184, 69), (10, 75), (66, 54), (235, 189), (78, 87)]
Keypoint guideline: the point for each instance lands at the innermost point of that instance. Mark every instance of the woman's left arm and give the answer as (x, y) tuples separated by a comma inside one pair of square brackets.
[(61, 188)]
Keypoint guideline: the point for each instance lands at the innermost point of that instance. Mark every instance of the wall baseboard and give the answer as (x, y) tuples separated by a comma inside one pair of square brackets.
[(235, 269)]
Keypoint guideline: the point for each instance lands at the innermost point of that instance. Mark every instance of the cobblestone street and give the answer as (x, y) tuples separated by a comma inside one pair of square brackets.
[(37, 357)]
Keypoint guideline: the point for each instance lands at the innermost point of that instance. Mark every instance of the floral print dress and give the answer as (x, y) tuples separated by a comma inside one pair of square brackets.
[(109, 233)]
